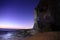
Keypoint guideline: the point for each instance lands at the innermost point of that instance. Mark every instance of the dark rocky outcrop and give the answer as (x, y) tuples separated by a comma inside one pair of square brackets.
[(47, 12)]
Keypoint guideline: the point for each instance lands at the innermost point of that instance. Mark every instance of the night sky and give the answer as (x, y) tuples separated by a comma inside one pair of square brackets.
[(17, 14)]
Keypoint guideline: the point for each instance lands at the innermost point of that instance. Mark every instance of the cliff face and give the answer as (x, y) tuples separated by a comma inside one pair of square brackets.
[(47, 18), (47, 15)]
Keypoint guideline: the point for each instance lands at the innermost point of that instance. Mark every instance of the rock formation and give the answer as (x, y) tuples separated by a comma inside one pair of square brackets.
[(47, 17)]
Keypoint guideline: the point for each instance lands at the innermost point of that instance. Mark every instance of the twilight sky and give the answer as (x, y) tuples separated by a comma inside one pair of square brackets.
[(17, 14)]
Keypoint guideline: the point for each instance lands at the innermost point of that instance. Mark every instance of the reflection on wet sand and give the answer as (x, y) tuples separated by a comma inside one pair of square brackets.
[(9, 36)]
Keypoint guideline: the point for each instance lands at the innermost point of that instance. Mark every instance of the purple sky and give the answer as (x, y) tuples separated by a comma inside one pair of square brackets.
[(17, 13)]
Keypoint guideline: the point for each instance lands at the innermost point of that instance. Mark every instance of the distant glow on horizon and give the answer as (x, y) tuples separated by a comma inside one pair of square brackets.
[(14, 26)]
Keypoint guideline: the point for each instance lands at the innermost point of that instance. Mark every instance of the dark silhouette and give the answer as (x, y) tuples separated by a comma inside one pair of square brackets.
[(48, 13)]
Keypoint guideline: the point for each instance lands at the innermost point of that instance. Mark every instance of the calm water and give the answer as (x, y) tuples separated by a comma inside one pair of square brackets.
[(11, 34)]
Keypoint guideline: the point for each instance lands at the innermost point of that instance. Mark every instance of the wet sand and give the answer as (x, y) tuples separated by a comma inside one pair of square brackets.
[(45, 36)]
